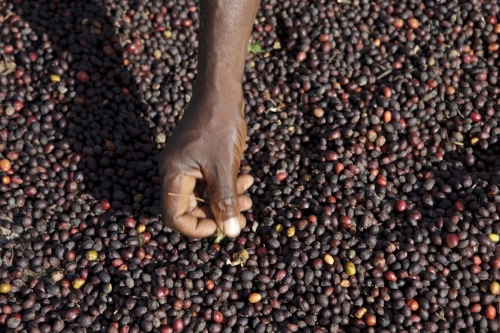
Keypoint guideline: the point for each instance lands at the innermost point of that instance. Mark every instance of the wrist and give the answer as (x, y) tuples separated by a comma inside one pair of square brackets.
[(217, 82), (229, 66), (223, 95)]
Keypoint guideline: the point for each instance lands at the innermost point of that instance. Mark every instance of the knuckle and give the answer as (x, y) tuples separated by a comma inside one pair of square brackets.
[(226, 205)]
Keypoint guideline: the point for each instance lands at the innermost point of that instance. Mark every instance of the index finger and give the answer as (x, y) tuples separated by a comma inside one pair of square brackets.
[(175, 196), (175, 206), (190, 226)]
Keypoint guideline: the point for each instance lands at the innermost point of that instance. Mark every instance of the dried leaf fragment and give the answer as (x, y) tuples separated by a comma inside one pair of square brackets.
[(220, 236), (238, 258), (7, 66)]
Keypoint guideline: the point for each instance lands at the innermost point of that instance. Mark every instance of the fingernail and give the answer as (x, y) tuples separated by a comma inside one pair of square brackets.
[(232, 227)]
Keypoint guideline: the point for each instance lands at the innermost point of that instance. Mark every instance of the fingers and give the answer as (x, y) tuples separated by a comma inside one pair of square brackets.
[(222, 185), (177, 200), (181, 210), (243, 221), (244, 202), (243, 183), (202, 212), (227, 216), (191, 226), (176, 196)]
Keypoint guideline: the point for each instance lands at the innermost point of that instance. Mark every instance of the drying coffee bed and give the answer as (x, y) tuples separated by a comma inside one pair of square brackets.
[(372, 137)]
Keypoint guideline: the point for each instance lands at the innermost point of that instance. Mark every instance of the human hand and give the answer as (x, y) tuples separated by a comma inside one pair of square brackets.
[(205, 152)]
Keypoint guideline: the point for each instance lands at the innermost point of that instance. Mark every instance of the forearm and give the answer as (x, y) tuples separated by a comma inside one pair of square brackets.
[(225, 27), (210, 138)]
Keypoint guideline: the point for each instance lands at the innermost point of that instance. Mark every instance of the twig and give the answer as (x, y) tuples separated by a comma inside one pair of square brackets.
[(455, 108), (275, 108), (439, 315), (475, 184), (184, 196), (387, 72)]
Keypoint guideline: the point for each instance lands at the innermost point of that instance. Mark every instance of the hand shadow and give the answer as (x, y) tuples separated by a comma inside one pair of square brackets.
[(89, 99), (89, 129)]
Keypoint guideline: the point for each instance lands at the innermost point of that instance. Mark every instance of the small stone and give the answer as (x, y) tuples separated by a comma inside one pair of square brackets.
[(161, 138), (10, 110), (363, 80), (13, 322), (62, 89)]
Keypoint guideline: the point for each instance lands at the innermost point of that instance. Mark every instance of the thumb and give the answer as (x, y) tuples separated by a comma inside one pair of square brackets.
[(224, 202)]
